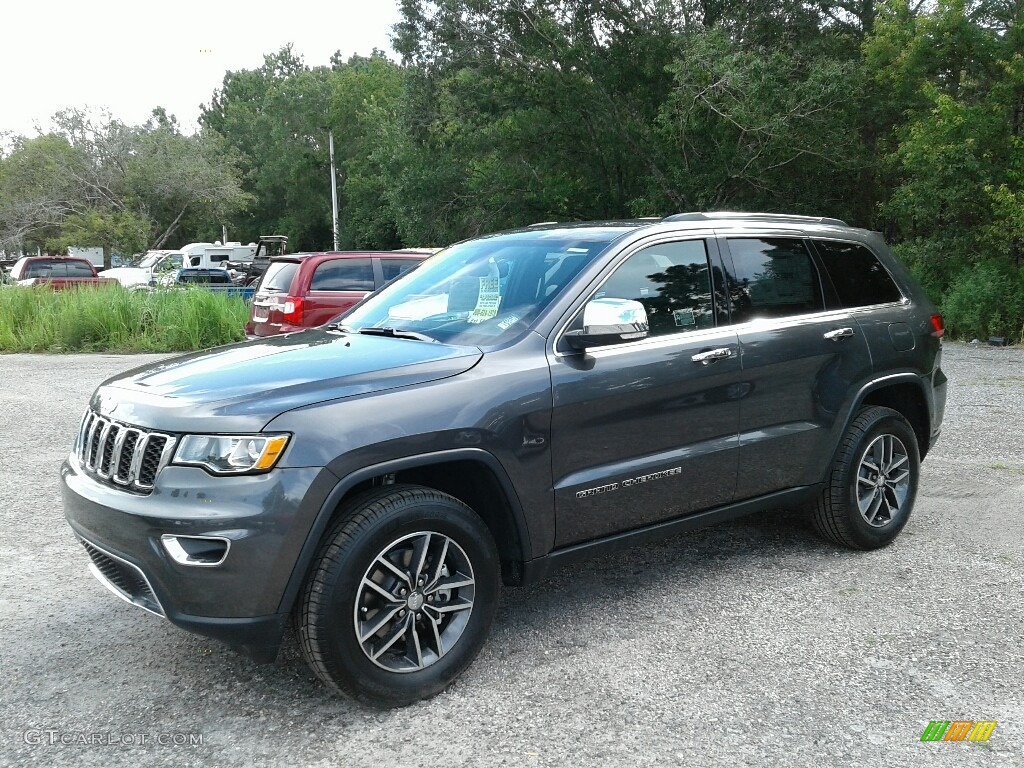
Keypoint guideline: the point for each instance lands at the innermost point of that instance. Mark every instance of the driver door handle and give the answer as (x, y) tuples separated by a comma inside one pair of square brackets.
[(712, 355), (839, 333)]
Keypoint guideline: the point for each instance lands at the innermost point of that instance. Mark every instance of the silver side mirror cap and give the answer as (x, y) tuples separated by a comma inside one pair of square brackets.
[(609, 321)]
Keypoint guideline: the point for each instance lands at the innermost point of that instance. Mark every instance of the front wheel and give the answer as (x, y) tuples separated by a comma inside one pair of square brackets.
[(401, 596), (872, 484)]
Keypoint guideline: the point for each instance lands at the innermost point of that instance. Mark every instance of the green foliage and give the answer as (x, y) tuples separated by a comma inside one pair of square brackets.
[(126, 188), (897, 115), (986, 300), (112, 319), (124, 231), (757, 129)]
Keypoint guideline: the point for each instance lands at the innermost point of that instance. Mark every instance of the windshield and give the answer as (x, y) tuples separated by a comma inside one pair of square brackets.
[(152, 258), (483, 291)]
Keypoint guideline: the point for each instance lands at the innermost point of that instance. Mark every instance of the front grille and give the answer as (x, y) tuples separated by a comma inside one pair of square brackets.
[(123, 579), (120, 454)]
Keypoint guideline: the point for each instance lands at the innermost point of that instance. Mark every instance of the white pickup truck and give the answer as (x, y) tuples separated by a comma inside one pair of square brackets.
[(156, 265)]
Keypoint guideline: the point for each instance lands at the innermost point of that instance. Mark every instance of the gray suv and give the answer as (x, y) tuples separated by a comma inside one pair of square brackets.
[(521, 401)]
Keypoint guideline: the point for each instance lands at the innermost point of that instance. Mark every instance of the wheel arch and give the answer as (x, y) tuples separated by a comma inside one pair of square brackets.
[(903, 394), (471, 475)]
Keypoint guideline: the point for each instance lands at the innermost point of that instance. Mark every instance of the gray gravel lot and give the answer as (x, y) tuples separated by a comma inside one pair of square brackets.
[(752, 643)]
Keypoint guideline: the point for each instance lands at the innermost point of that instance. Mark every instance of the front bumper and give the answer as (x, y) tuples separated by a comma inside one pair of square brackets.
[(266, 519)]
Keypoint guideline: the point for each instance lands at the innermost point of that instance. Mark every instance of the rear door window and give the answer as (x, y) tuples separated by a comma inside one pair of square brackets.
[(772, 277), (343, 275), (859, 278)]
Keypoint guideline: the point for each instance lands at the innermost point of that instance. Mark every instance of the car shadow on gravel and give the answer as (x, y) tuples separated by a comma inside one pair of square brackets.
[(596, 587)]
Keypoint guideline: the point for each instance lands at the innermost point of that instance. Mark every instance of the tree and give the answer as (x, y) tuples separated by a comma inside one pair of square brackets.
[(123, 187)]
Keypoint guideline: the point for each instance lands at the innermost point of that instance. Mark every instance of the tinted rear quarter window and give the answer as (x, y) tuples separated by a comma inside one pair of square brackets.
[(774, 277), (343, 275), (278, 277), (392, 268), (859, 278)]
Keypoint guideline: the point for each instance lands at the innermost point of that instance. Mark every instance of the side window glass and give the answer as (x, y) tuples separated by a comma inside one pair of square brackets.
[(774, 277), (859, 278), (672, 281), (392, 268), (171, 263), (343, 275)]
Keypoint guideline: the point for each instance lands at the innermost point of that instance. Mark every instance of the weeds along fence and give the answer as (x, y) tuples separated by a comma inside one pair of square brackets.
[(113, 319)]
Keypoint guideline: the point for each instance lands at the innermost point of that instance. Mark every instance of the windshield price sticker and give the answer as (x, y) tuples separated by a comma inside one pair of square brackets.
[(488, 300)]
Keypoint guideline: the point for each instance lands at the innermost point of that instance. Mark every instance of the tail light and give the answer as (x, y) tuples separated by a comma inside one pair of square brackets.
[(938, 325), (291, 309)]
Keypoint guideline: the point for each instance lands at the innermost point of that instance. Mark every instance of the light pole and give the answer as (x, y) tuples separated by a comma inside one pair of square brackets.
[(334, 187)]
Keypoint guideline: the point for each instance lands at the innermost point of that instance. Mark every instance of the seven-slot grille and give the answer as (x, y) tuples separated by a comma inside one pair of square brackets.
[(120, 454)]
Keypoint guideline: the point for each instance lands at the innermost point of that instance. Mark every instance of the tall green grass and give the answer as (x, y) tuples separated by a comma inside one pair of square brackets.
[(112, 319)]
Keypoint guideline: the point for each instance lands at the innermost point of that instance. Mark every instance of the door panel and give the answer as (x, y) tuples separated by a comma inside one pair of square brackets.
[(799, 381), (643, 431), (801, 362)]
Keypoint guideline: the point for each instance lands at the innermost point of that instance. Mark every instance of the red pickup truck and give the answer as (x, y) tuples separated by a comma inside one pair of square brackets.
[(57, 272)]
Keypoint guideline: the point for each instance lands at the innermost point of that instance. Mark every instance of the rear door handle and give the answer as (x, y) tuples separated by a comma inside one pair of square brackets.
[(712, 355), (839, 333)]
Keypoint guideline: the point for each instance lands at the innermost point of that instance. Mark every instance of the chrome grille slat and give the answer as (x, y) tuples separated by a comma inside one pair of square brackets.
[(101, 448), (90, 443), (122, 455), (122, 473)]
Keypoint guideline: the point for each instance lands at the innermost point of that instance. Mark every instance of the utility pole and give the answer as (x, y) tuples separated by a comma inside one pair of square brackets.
[(334, 187)]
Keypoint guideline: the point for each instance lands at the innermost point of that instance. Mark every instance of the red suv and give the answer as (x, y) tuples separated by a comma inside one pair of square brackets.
[(304, 290)]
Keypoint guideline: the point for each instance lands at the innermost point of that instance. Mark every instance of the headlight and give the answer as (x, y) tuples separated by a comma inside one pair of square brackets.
[(231, 454)]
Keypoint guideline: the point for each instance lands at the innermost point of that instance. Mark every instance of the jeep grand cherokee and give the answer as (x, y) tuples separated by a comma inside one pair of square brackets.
[(520, 401)]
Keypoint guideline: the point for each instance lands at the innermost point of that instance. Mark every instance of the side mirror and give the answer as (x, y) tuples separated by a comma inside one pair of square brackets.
[(609, 321)]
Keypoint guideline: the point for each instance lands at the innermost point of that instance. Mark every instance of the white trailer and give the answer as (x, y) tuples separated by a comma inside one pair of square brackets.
[(94, 255), (156, 265)]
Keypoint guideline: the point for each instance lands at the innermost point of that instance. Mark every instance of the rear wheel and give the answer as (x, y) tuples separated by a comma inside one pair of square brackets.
[(401, 596), (871, 487)]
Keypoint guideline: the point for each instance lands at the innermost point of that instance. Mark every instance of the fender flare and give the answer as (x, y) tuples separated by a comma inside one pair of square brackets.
[(857, 400), (345, 484)]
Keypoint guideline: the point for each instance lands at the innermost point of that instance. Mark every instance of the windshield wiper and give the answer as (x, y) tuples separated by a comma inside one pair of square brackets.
[(394, 333)]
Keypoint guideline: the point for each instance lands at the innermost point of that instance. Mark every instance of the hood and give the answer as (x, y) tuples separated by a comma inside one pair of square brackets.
[(246, 385), (129, 275)]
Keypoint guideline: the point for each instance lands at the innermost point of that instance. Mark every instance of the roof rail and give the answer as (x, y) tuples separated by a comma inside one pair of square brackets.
[(714, 215), (541, 224)]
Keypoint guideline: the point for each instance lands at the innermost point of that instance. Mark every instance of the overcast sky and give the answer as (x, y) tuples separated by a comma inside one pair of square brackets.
[(128, 56)]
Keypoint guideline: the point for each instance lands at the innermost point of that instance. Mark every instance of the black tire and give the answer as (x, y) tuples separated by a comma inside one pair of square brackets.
[(397, 523), (860, 507)]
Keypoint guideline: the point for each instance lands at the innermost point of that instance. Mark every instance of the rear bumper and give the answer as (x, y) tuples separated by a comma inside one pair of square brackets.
[(266, 518)]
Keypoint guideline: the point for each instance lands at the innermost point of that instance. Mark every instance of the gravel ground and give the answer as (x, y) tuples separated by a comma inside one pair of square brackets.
[(752, 643)]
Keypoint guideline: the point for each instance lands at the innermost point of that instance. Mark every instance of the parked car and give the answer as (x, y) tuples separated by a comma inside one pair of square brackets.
[(519, 402), (216, 280), (304, 290), (57, 272)]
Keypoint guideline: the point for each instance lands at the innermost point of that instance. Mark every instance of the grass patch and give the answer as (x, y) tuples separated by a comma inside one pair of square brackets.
[(112, 319), (1007, 468)]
